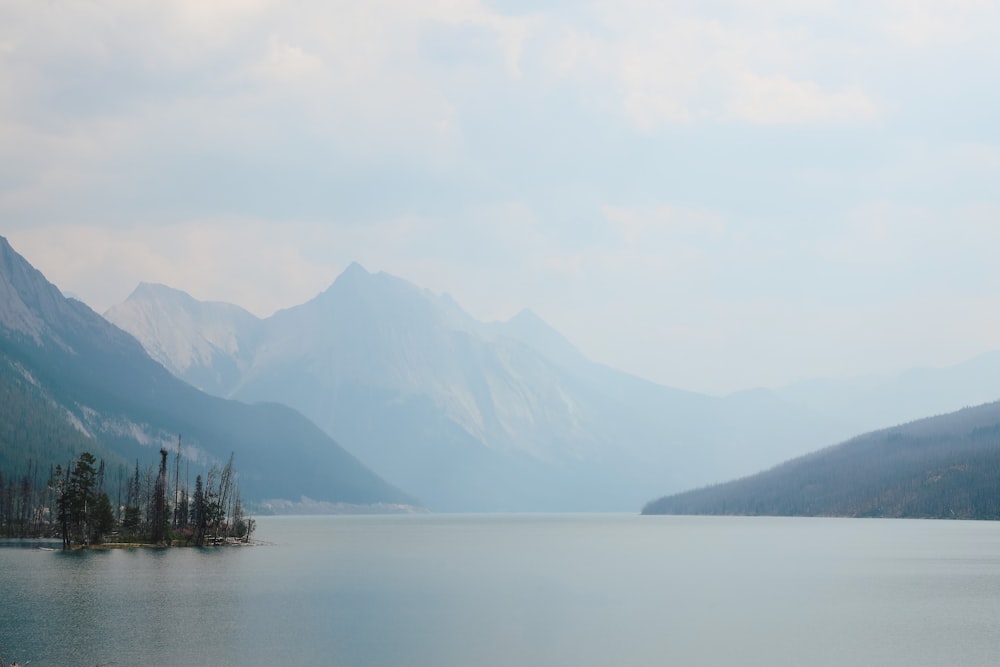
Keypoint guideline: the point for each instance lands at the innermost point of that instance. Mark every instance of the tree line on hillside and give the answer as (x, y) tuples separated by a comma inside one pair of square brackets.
[(905, 473), (84, 504)]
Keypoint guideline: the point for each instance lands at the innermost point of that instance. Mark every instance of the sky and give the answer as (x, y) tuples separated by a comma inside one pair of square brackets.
[(714, 195)]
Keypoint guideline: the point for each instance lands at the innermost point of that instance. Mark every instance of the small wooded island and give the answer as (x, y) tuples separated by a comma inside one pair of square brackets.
[(147, 510)]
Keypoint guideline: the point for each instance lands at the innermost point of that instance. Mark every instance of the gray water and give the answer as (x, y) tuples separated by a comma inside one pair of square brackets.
[(465, 591)]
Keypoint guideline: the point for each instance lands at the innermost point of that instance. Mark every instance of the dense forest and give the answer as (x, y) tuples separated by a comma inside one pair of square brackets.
[(942, 467), (86, 503), (34, 430)]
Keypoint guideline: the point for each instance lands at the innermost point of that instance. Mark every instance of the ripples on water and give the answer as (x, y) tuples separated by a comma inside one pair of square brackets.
[(462, 591)]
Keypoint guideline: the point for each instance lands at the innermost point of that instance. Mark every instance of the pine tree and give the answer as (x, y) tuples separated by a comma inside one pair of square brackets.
[(103, 518), (75, 496), (199, 512)]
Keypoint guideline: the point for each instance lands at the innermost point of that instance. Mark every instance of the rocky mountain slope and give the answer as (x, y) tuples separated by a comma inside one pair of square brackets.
[(61, 361), (465, 414)]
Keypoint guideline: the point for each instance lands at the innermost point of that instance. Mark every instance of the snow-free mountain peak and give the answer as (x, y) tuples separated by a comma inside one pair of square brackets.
[(15, 315), (361, 303), (355, 287), (81, 368), (33, 307), (535, 332), (354, 271), (158, 290), (472, 415), (185, 334), (481, 416)]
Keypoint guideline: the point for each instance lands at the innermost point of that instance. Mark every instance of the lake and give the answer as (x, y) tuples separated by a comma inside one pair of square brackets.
[(506, 590)]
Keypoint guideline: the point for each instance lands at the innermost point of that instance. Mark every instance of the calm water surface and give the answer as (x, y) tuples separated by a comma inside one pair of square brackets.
[(463, 591)]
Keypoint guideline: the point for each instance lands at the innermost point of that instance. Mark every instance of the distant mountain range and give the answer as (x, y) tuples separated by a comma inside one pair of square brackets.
[(941, 467), (470, 415), (463, 414), (70, 381)]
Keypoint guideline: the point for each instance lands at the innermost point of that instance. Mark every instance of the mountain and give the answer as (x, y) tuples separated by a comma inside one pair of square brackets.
[(468, 415), (74, 381), (940, 467), (194, 337)]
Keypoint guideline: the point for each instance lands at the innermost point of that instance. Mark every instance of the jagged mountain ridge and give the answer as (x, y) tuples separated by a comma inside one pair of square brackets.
[(191, 337), (59, 354), (481, 416)]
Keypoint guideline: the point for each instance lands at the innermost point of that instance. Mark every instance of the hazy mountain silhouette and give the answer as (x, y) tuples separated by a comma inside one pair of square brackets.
[(940, 467), (469, 415), (67, 371)]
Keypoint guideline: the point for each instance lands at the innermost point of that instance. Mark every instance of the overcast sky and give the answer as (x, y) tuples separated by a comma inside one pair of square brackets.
[(714, 195)]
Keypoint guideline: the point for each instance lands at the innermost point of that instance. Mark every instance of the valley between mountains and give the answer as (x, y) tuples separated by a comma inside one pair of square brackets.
[(508, 416), (378, 395)]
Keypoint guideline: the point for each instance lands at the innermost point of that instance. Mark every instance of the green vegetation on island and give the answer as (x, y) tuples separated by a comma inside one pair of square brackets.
[(86, 505)]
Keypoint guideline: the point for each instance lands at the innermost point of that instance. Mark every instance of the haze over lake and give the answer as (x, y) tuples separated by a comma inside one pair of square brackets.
[(461, 590), (476, 263)]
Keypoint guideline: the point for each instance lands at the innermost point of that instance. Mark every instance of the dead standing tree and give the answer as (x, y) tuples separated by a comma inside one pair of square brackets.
[(177, 522), (225, 495), (157, 532)]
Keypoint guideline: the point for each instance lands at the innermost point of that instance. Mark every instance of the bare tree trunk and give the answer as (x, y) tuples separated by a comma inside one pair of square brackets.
[(225, 489), (177, 477), (157, 533)]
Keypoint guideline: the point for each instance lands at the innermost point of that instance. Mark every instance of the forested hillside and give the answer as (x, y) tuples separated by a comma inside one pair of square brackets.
[(29, 417), (941, 467)]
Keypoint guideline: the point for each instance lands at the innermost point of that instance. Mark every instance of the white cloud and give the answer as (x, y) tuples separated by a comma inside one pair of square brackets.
[(663, 225), (285, 63), (780, 100), (939, 23), (918, 244), (668, 67), (970, 160)]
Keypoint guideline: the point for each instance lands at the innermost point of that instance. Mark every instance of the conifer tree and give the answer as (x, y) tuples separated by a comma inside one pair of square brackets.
[(102, 518), (199, 512)]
